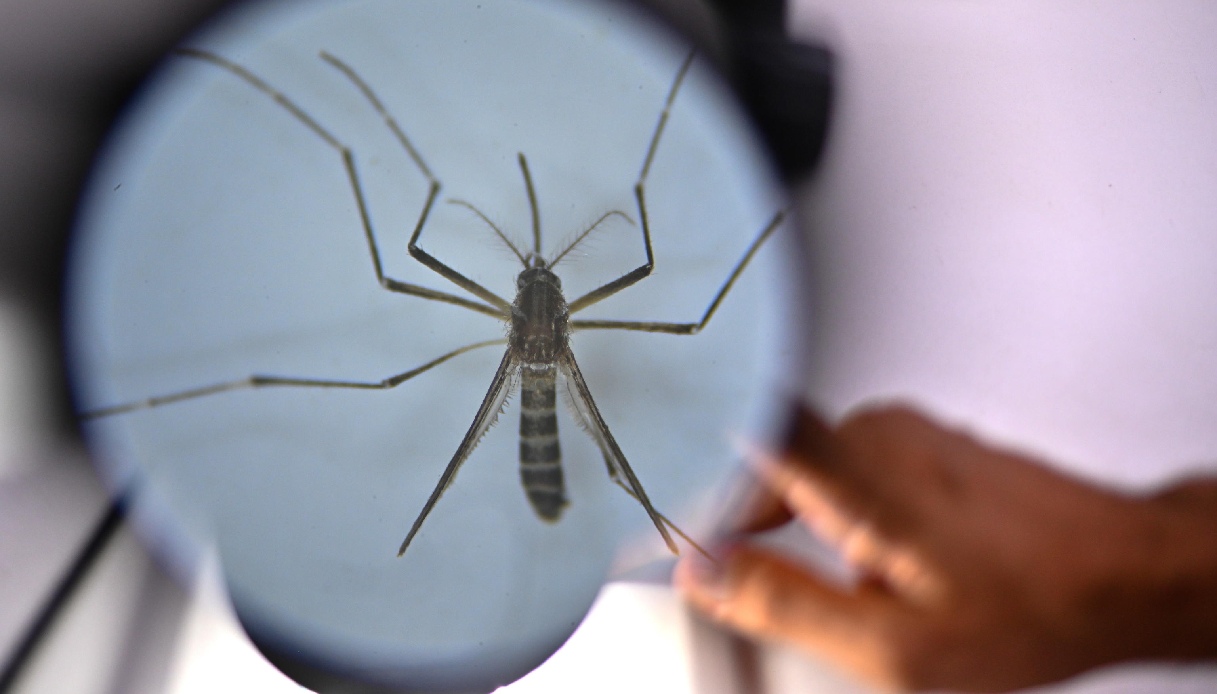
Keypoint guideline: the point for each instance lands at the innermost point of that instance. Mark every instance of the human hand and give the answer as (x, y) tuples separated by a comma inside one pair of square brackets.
[(980, 569)]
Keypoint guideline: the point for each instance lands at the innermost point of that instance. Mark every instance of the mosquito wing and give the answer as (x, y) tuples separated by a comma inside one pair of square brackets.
[(585, 410), (583, 417), (505, 381)]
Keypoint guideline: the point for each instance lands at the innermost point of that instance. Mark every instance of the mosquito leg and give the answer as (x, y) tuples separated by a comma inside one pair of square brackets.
[(675, 528), (500, 388), (663, 117), (582, 412), (348, 162), (430, 261), (261, 381), (389, 120), (695, 327), (613, 455), (638, 273)]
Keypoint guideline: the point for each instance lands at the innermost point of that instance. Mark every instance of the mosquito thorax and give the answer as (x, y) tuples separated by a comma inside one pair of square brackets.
[(540, 317)]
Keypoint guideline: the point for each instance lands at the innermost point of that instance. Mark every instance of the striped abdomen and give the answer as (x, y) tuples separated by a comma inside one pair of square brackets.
[(540, 456)]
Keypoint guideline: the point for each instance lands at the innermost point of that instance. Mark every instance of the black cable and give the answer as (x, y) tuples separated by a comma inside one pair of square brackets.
[(64, 590)]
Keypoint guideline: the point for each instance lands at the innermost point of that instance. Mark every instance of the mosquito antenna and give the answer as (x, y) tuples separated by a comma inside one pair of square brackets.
[(578, 239), (532, 203), (494, 226)]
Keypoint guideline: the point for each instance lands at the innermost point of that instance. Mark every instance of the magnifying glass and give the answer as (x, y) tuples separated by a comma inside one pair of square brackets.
[(334, 243)]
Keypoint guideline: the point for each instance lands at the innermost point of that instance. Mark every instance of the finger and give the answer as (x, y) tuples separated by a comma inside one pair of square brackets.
[(802, 492), (753, 506), (861, 543), (813, 450), (750, 507), (768, 597), (842, 468), (809, 438)]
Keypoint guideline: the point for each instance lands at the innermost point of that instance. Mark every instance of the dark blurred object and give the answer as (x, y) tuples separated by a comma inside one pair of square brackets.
[(66, 67), (786, 86)]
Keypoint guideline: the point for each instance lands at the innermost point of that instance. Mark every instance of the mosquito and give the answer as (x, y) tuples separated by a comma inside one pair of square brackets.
[(539, 320)]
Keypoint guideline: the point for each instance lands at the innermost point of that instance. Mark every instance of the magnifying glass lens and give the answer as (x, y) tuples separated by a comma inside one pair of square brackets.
[(425, 319)]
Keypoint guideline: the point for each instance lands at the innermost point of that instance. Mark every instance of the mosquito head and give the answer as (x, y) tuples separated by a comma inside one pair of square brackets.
[(537, 272)]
